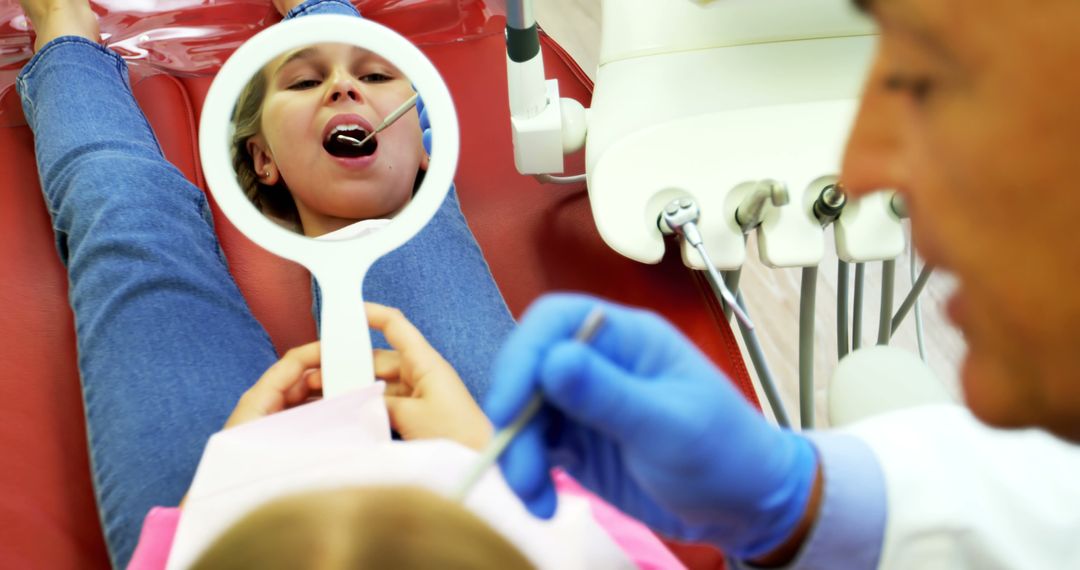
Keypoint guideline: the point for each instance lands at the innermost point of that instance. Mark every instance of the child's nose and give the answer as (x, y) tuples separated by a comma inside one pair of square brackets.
[(345, 88)]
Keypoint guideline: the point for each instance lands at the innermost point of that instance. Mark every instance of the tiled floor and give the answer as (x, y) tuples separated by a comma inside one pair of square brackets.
[(773, 295)]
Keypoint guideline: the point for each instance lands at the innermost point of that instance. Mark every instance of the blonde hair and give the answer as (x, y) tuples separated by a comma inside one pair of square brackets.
[(272, 200), (366, 527)]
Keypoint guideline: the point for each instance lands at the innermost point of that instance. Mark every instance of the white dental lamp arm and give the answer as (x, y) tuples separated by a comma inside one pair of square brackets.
[(525, 63), (545, 126)]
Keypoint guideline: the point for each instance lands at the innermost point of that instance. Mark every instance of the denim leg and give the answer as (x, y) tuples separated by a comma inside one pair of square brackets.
[(309, 7), (166, 342), (440, 280)]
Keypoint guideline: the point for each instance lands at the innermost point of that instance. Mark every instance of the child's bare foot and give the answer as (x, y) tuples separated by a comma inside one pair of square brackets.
[(54, 18)]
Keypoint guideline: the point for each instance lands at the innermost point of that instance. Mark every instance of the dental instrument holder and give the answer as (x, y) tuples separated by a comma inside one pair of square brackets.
[(338, 266), (734, 94), (869, 229), (829, 204), (751, 210), (680, 217)]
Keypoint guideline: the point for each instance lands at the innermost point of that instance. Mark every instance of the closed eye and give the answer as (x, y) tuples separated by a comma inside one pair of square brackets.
[(375, 78), (304, 84)]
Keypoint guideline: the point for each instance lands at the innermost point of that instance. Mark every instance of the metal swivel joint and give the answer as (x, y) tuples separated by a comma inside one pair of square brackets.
[(829, 204), (750, 212), (680, 217), (898, 205)]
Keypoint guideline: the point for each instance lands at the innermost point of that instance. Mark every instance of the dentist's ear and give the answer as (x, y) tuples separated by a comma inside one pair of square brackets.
[(262, 160)]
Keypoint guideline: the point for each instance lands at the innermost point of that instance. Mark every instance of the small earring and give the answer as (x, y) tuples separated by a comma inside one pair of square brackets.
[(267, 173)]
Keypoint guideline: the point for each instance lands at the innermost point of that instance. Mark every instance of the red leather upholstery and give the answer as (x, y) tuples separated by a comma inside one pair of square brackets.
[(536, 238)]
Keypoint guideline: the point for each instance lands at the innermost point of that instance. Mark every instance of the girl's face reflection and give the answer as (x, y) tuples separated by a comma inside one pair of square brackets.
[(319, 99)]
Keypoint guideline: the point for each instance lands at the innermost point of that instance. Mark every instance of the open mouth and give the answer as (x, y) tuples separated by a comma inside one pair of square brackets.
[(344, 141)]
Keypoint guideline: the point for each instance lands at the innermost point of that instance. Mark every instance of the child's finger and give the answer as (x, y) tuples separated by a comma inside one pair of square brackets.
[(287, 371), (399, 332), (298, 392), (387, 364), (398, 390), (401, 410), (314, 380)]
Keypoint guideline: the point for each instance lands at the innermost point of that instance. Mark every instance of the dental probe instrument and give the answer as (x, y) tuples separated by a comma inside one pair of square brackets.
[(498, 444), (408, 104), (681, 216)]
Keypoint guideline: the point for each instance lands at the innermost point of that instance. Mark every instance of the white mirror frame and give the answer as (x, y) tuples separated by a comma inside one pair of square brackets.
[(339, 266)]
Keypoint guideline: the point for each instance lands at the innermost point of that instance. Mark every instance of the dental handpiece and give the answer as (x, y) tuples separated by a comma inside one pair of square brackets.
[(681, 217), (390, 119), (502, 439)]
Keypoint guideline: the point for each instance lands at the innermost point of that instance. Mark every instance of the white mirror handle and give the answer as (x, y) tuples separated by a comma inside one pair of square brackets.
[(346, 341)]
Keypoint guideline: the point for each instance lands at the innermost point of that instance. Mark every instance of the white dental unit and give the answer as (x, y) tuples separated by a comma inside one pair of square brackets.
[(728, 110)]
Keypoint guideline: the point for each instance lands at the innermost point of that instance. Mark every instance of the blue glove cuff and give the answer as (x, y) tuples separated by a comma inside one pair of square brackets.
[(783, 509)]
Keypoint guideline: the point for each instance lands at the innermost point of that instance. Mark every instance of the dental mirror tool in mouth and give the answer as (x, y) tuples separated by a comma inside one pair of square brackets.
[(409, 104), (288, 148)]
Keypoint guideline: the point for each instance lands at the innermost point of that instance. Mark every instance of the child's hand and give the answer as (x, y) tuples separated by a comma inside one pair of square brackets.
[(424, 395), (289, 382)]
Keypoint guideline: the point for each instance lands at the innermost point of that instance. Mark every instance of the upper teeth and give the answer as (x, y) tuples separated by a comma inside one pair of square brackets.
[(343, 128)]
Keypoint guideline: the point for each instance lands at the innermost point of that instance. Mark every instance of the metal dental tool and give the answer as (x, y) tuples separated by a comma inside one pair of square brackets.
[(404, 108), (498, 444), (829, 204), (898, 205), (750, 212), (680, 217), (761, 366)]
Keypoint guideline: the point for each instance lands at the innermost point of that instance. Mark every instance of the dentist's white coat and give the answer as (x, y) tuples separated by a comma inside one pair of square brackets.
[(962, 495)]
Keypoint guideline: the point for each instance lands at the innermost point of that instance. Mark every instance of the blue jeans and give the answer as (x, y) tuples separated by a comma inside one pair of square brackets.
[(166, 343)]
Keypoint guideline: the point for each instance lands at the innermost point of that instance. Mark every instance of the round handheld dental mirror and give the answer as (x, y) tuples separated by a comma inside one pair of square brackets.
[(339, 265)]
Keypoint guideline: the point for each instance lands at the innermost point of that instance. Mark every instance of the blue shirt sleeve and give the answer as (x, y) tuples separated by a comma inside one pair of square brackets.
[(342, 7), (850, 528)]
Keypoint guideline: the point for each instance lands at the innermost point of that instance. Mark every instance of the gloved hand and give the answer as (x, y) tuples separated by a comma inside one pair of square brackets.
[(425, 128), (643, 419), (425, 122)]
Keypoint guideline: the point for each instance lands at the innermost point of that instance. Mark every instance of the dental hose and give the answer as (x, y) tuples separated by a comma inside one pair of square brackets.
[(920, 337), (857, 304), (888, 281), (842, 343), (806, 346), (913, 296), (731, 279), (757, 357)]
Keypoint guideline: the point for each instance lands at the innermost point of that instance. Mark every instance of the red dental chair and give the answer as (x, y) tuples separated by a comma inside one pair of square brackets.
[(536, 238)]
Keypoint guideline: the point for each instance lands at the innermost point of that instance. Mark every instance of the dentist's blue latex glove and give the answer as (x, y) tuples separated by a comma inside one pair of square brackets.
[(643, 419), (425, 128), (425, 122)]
